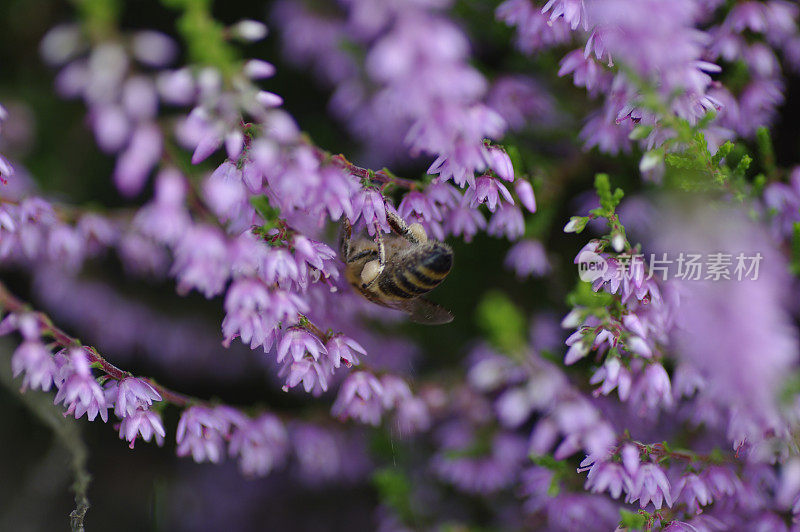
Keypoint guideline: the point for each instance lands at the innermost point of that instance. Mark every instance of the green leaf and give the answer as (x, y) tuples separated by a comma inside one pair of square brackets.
[(394, 490), (270, 214), (795, 263), (640, 132), (632, 520), (766, 151), (503, 323)]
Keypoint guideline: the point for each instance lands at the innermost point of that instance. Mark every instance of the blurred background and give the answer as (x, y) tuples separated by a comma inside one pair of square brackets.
[(148, 329)]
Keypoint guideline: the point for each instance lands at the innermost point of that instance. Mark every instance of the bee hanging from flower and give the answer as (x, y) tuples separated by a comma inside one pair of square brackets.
[(396, 270)]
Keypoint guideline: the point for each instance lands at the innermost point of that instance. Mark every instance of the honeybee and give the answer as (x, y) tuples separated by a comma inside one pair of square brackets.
[(396, 270)]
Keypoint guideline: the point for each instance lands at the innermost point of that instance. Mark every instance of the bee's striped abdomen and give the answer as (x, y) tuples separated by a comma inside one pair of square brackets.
[(419, 272)]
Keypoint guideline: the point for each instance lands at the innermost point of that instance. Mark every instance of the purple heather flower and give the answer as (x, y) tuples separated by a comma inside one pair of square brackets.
[(66, 247), (79, 391), (650, 485), (36, 361), (604, 476), (528, 257), (737, 334), (500, 163), (201, 261), (144, 423), (140, 99), (478, 473), (313, 374), (111, 127), (153, 48), (721, 480), (573, 11), (465, 221), (370, 206), (176, 87), (253, 312), (613, 375), (258, 69), (691, 490), (279, 267), (224, 192), (261, 444), (98, 233), (630, 459), (535, 31), (336, 196), (141, 255), (487, 190), (522, 102), (165, 219), (296, 342), (138, 159), (525, 192), (652, 389), (784, 201), (586, 71), (360, 398), (592, 513), (508, 222), (133, 394), (344, 349), (412, 416), (419, 204), (201, 432)]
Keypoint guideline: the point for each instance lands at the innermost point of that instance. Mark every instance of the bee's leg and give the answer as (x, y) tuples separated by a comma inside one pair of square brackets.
[(414, 233), (344, 240), (373, 268)]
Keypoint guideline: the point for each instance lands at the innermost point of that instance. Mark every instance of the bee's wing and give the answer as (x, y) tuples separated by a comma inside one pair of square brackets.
[(421, 310)]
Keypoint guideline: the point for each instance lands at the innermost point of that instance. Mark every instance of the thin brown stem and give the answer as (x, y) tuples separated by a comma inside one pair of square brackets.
[(11, 303)]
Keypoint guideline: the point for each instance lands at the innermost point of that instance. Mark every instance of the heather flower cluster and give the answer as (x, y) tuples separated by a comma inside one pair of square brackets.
[(191, 289)]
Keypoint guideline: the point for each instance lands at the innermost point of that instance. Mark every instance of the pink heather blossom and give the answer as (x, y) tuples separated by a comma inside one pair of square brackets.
[(133, 394), (487, 190), (279, 267), (253, 312), (508, 222), (370, 206), (650, 485), (344, 349), (478, 474), (296, 342), (144, 423), (360, 398), (201, 432), (36, 361), (653, 389), (154, 48), (500, 163), (261, 445), (419, 204), (573, 11), (691, 490), (138, 159), (165, 219), (79, 391), (225, 193), (201, 261), (528, 258), (313, 375), (465, 221), (604, 476)]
